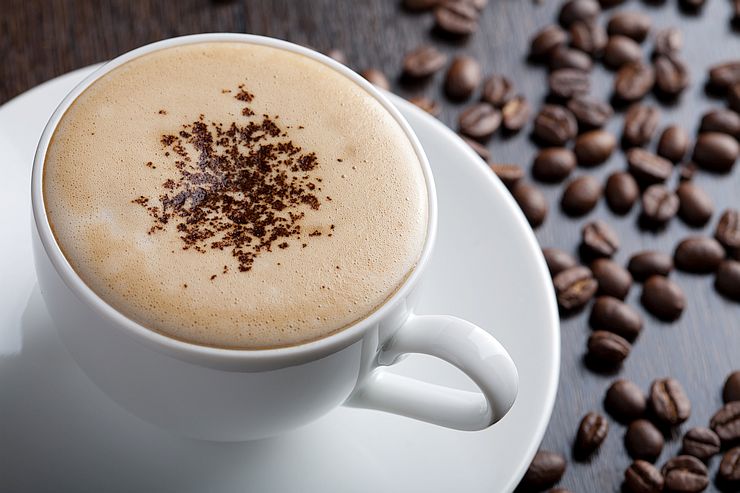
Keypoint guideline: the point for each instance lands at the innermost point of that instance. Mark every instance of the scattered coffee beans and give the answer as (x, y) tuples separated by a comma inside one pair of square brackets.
[(497, 90), (564, 57), (532, 202), (553, 164), (621, 192), (701, 443), (724, 75), (589, 37), (574, 287), (633, 81), (716, 151), (673, 143), (721, 120), (463, 77), (643, 440), (698, 254), (555, 125), (516, 113), (659, 204), (663, 298), (635, 25), (510, 175), (621, 50), (614, 280), (685, 474), (479, 121), (613, 315), (456, 18), (695, 205), (728, 232), (423, 62), (598, 239), (546, 40), (558, 260), (671, 74), (566, 83), (545, 470), (668, 41), (578, 10), (649, 263), (669, 402), (727, 280), (594, 147), (420, 5), (591, 433), (647, 167), (589, 112), (731, 389), (580, 195), (643, 477), (729, 468), (625, 401), (608, 348), (640, 123), (726, 423)]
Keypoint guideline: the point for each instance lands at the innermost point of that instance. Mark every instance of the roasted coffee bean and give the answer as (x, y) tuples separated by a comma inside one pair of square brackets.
[(716, 151), (648, 167), (568, 82), (733, 97), (669, 401), (671, 74), (516, 114), (668, 41), (376, 78), (642, 477), (497, 90), (692, 4), (511, 175), (557, 260), (578, 10), (564, 57), (686, 172), (479, 148), (728, 232), (621, 50), (555, 125), (726, 422), (727, 280), (724, 75), (599, 239), (633, 81), (625, 401), (731, 389), (545, 470), (613, 315), (546, 40), (698, 254), (610, 3), (337, 55), (635, 25), (673, 143), (419, 5), (649, 263), (643, 440), (621, 192), (463, 77), (614, 280), (696, 206), (659, 204), (589, 37), (423, 62), (663, 298), (729, 468), (594, 147), (456, 18), (580, 195), (701, 443), (590, 112), (427, 104), (685, 474), (479, 120), (553, 164), (532, 202), (574, 287), (640, 123), (608, 348), (721, 120), (591, 433)]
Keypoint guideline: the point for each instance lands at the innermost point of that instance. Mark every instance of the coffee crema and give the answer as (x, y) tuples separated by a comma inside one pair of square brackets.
[(235, 195)]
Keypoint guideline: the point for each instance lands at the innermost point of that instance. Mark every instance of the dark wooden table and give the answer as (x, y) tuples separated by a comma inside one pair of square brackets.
[(40, 39)]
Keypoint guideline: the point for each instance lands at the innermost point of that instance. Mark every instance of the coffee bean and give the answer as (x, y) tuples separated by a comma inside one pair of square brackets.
[(497, 90), (427, 104), (594, 147), (420, 5), (589, 37), (716, 151), (724, 75), (633, 81), (686, 172), (650, 263), (545, 470), (608, 348), (621, 50), (698, 254), (731, 389), (671, 74), (727, 280), (376, 78), (557, 260), (574, 287), (625, 401), (613, 315), (701, 443), (726, 423), (696, 206), (692, 5), (337, 55), (479, 148), (614, 280), (635, 25), (736, 11), (590, 112), (564, 57), (463, 77), (516, 114), (729, 468), (640, 123), (648, 167), (668, 41), (568, 82), (643, 477), (610, 3), (456, 18), (663, 298), (599, 239), (555, 125), (423, 62), (621, 192), (546, 40), (728, 232), (532, 202), (591, 433), (673, 143), (733, 97), (659, 204), (580, 195), (511, 175), (643, 440), (685, 474), (721, 120), (553, 164), (578, 10), (479, 121), (669, 401)]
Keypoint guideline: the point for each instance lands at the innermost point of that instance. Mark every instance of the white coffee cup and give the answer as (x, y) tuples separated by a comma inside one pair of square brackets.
[(231, 395)]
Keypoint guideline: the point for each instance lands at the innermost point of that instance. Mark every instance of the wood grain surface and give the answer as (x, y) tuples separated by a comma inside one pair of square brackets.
[(41, 39)]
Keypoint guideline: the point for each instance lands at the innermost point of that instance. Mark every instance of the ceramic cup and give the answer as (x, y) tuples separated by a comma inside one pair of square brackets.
[(231, 395)]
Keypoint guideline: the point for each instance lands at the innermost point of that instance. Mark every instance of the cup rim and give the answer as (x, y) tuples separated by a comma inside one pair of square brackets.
[(225, 358)]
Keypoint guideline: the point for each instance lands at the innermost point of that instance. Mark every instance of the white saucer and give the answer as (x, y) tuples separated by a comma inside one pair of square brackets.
[(58, 432)]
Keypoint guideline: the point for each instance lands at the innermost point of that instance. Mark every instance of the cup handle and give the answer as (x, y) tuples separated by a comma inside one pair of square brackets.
[(458, 342)]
